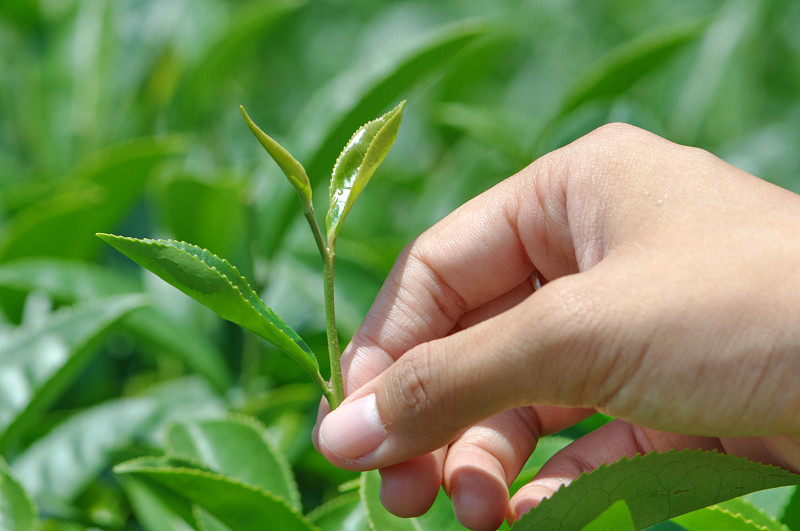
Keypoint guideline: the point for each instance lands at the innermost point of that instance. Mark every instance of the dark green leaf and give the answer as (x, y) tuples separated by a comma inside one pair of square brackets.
[(17, 512), (218, 285), (655, 487), (791, 512), (293, 170), (236, 447), (359, 159), (221, 496)]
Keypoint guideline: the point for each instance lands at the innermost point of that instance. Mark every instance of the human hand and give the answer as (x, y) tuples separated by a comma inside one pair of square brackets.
[(670, 301)]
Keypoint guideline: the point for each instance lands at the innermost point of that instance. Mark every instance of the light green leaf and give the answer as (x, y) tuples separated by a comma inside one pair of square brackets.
[(69, 281), (293, 170), (615, 518), (238, 448), (221, 496), (440, 517), (745, 508), (343, 513), (717, 518), (359, 159), (656, 487), (218, 285), (36, 364), (156, 507), (17, 511), (59, 465)]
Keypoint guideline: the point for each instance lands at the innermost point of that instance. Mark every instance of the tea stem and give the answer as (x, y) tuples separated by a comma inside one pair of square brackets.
[(328, 255), (337, 383)]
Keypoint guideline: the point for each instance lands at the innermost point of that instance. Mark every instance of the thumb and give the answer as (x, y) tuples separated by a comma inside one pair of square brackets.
[(433, 392)]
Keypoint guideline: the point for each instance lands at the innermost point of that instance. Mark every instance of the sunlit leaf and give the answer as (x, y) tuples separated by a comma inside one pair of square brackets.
[(715, 518), (293, 170), (615, 518), (238, 448), (359, 159), (655, 487), (221, 496), (791, 512), (17, 512), (37, 364), (343, 513), (57, 466), (218, 285), (70, 281), (440, 517)]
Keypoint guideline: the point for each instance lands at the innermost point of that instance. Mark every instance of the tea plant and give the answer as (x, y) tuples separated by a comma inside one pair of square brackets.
[(629, 494)]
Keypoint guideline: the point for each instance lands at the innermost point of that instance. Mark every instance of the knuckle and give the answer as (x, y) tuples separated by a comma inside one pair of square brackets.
[(413, 382)]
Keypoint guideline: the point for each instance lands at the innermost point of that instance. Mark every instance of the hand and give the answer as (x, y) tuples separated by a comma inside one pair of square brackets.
[(670, 300)]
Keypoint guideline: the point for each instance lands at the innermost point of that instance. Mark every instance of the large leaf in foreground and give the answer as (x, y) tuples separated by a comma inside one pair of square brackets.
[(221, 496), (17, 512), (655, 487), (217, 284), (359, 159)]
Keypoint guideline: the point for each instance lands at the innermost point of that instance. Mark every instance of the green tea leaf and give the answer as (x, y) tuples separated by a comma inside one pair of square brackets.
[(238, 448), (359, 159), (655, 487), (440, 516), (791, 512), (716, 518), (745, 508), (69, 281), (622, 67), (60, 464), (615, 518), (17, 511), (36, 364), (221, 496), (293, 170), (343, 513), (217, 284)]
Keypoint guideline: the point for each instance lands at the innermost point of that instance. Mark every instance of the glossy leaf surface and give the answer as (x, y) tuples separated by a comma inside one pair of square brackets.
[(238, 448), (36, 364), (217, 284), (293, 170), (17, 512), (359, 159), (221, 496), (343, 513), (655, 487)]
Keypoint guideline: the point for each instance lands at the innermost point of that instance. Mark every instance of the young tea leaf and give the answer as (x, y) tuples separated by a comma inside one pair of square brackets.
[(359, 159), (218, 285), (716, 518), (615, 518), (656, 487), (289, 165)]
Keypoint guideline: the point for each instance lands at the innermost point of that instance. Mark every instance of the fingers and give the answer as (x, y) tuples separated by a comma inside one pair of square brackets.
[(485, 460)]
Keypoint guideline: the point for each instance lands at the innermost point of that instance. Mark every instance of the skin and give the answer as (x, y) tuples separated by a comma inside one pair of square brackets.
[(669, 299)]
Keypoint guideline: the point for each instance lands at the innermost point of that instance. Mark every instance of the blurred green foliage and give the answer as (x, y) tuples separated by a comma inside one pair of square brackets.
[(122, 117)]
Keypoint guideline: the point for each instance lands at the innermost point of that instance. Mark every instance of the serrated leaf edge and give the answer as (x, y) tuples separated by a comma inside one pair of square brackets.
[(637, 457), (335, 503), (167, 243)]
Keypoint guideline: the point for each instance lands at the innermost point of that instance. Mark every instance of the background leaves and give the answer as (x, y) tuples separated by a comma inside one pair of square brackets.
[(122, 117)]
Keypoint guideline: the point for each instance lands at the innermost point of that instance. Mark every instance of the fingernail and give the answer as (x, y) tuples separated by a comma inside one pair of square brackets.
[(353, 430)]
